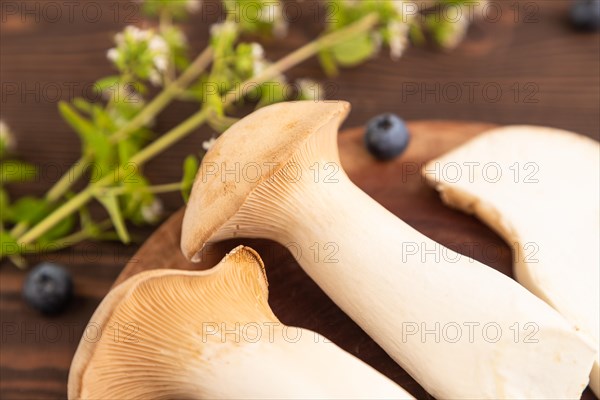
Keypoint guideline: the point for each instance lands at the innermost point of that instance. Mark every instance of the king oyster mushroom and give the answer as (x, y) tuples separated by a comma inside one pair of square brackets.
[(168, 334)]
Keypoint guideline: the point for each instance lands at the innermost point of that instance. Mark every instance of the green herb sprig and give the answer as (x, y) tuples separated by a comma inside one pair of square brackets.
[(117, 136)]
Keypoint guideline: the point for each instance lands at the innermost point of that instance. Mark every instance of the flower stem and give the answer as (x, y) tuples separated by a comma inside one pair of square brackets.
[(70, 240), (197, 119), (155, 189)]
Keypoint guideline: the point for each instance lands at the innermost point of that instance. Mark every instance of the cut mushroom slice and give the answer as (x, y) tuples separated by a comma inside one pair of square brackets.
[(460, 328), (168, 334), (539, 189)]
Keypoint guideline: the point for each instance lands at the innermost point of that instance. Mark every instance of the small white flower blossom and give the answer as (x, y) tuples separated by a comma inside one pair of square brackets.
[(208, 144), (158, 44), (398, 32), (258, 58), (134, 40), (160, 50), (310, 89), (6, 138), (193, 6), (112, 54), (155, 78), (119, 39), (223, 28), (257, 50), (152, 212), (137, 34), (161, 62)]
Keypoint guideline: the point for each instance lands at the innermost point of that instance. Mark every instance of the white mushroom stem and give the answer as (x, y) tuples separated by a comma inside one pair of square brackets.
[(211, 335), (460, 328), (540, 189)]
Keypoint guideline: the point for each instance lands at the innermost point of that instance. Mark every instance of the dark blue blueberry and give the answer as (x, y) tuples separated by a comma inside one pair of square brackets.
[(48, 288), (386, 136), (585, 15)]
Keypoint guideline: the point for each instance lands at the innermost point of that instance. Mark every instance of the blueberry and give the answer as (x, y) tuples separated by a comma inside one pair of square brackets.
[(585, 15), (387, 136), (48, 288)]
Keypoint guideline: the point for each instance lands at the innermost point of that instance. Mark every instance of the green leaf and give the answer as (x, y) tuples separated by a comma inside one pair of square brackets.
[(354, 51), (271, 92), (83, 105), (244, 60), (17, 171), (87, 223), (108, 82), (29, 209), (135, 197), (328, 63), (190, 168), (416, 35), (103, 153), (111, 203), (126, 149), (4, 205), (80, 124), (61, 229)]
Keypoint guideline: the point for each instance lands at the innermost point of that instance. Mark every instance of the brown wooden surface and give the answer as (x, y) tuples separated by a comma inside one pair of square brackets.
[(36, 54)]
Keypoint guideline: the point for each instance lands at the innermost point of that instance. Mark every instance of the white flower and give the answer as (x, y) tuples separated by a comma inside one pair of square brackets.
[(155, 78), (152, 212), (161, 62), (208, 144), (158, 44), (257, 50), (7, 140), (193, 6), (258, 58), (119, 39), (138, 35), (112, 54), (141, 50), (398, 32), (223, 28), (310, 90), (160, 52)]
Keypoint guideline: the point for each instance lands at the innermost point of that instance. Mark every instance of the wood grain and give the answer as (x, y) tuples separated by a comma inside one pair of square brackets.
[(37, 53)]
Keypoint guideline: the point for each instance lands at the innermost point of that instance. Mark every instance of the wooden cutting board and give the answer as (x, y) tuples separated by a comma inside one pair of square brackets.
[(398, 186)]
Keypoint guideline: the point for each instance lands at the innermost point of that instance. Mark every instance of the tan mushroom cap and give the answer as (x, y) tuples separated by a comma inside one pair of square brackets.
[(248, 153), (157, 314)]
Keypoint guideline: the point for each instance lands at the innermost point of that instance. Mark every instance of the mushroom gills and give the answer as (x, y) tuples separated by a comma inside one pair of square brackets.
[(358, 253), (211, 334), (545, 204)]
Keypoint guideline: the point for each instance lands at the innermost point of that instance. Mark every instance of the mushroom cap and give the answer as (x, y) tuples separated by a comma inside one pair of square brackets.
[(164, 309), (248, 153)]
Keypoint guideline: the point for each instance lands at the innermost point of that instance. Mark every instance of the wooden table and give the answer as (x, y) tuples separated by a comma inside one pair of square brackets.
[(527, 67)]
